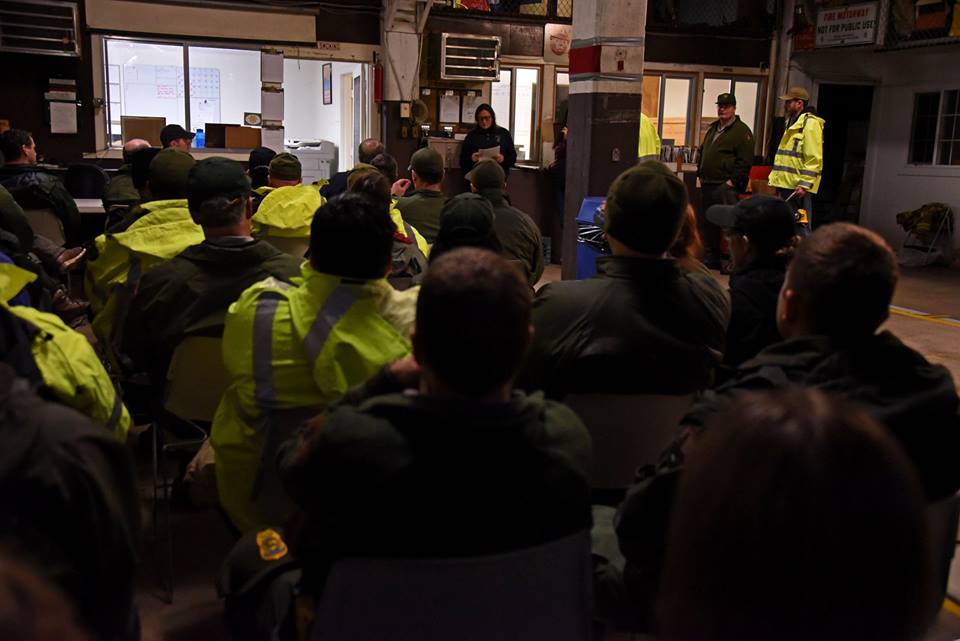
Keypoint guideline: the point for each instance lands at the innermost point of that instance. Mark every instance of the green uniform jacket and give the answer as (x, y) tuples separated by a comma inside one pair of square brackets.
[(422, 210), (297, 347), (518, 235), (121, 189), (729, 157)]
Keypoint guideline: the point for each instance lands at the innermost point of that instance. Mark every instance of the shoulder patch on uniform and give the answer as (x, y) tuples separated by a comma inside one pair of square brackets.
[(271, 545)]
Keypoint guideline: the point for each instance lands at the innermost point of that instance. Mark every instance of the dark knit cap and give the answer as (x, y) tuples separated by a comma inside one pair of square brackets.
[(645, 207), (212, 177), (285, 166), (168, 174)]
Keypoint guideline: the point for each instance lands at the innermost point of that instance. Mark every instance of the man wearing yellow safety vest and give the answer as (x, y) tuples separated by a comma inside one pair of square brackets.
[(649, 140), (798, 165), (287, 210), (65, 359), (300, 347)]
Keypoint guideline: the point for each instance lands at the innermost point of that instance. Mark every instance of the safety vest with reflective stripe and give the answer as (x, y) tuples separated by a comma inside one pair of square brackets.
[(404, 228), (66, 360), (162, 233), (649, 148), (799, 159), (287, 212), (287, 347)]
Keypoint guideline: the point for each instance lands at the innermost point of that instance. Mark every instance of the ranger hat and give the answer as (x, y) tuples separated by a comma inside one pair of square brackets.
[(427, 162), (168, 173), (645, 207), (767, 221), (174, 132), (212, 177), (796, 93), (285, 166), (487, 174), (727, 99)]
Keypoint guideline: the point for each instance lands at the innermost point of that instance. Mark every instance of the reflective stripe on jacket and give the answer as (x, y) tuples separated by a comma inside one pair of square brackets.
[(649, 148), (288, 347), (799, 159), (67, 362), (287, 212)]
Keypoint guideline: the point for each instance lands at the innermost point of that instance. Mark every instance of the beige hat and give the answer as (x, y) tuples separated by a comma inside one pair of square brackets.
[(796, 93)]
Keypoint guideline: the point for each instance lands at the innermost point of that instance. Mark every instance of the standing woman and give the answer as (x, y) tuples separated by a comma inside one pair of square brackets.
[(487, 134)]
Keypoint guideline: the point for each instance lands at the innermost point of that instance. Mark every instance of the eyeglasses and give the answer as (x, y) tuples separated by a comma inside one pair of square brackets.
[(485, 118)]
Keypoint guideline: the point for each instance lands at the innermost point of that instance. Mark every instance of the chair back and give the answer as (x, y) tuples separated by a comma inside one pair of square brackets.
[(628, 431), (942, 519), (84, 180), (542, 592), (196, 379), (296, 247), (44, 222)]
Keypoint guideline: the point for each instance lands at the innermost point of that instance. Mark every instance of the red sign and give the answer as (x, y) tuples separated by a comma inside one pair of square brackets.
[(805, 39)]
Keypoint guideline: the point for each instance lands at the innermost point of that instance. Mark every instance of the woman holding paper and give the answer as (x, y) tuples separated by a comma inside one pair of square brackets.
[(487, 140)]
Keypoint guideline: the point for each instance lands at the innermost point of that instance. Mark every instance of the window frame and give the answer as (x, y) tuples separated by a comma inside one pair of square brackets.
[(938, 141), (536, 135)]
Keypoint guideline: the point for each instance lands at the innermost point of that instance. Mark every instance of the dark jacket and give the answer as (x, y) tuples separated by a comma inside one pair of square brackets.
[(69, 504), (754, 290), (642, 326), (121, 189), (478, 139), (401, 475), (14, 221), (518, 235), (916, 400), (729, 157), (336, 186), (190, 293), (422, 210), (34, 188)]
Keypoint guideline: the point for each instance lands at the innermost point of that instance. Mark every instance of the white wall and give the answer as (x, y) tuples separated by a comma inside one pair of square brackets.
[(891, 185), (305, 116)]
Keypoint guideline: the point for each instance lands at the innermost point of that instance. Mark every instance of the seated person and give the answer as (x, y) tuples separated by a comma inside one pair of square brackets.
[(404, 229), (643, 326), (159, 230), (836, 295), (760, 232), (258, 169), (288, 209), (518, 234), (70, 505), (466, 221), (366, 152), (176, 137), (422, 207), (798, 518), (440, 446), (301, 347), (31, 186), (121, 191), (190, 293)]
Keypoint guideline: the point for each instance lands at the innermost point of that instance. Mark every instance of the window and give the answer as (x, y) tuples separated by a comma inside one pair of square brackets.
[(563, 97), (935, 135), (675, 111), (746, 93), (224, 85), (516, 101)]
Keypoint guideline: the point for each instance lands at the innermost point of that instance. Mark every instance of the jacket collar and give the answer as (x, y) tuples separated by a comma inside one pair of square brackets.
[(631, 268), (494, 195)]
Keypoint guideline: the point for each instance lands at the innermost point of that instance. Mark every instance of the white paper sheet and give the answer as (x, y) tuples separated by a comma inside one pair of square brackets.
[(491, 152), (271, 67), (63, 117), (271, 105), (272, 138), (450, 108)]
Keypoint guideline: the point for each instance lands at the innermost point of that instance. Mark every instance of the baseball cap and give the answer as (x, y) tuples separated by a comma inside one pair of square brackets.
[(357, 172), (285, 166), (260, 157), (645, 207), (796, 93), (174, 132), (767, 221), (427, 162), (727, 99), (168, 173), (212, 177), (487, 174)]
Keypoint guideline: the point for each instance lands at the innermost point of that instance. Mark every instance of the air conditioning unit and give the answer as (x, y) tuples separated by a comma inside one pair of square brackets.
[(46, 27), (469, 57)]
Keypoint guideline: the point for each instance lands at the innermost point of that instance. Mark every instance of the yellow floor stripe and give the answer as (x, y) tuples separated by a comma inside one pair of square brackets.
[(952, 607), (949, 322)]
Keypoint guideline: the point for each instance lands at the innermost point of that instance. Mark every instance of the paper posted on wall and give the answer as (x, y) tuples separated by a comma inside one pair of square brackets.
[(490, 153)]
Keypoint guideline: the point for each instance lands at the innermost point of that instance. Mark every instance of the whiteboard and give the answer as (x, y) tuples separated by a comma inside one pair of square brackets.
[(157, 90)]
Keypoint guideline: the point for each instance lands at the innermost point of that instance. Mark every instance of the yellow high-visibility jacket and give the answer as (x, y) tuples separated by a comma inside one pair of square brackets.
[(401, 226), (649, 148), (67, 361), (799, 159), (287, 212), (291, 347)]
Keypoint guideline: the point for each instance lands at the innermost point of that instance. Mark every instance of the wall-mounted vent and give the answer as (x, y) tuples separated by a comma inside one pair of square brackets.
[(466, 57), (48, 27)]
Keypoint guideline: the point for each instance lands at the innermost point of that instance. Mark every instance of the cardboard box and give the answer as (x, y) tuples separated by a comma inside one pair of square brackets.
[(146, 127), (238, 137)]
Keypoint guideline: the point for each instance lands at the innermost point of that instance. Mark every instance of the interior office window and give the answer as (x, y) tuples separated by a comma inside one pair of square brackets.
[(224, 85), (563, 97), (923, 135), (949, 138), (500, 97), (675, 110), (650, 103), (524, 122), (748, 96), (113, 103)]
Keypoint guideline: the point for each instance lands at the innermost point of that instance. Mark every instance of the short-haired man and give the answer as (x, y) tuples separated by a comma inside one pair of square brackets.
[(798, 165), (422, 207), (366, 152), (177, 137), (518, 234), (32, 187), (644, 326), (301, 347), (190, 293), (726, 155), (287, 210), (836, 295), (121, 191), (463, 466)]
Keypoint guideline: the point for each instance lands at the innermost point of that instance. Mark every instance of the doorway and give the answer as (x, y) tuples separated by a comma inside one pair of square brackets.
[(846, 111)]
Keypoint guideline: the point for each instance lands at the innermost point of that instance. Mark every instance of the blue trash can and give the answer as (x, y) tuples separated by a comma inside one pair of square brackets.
[(588, 252)]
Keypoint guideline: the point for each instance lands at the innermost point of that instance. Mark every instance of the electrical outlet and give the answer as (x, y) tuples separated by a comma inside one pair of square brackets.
[(404, 109)]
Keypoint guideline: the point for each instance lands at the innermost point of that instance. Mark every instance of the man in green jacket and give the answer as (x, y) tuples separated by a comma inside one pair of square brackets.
[(422, 208), (726, 156), (121, 190)]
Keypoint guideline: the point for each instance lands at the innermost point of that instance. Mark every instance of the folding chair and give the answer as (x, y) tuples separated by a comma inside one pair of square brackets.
[(196, 381), (46, 223), (542, 592)]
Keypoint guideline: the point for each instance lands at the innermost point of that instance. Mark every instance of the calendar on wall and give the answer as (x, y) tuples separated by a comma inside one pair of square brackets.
[(157, 90)]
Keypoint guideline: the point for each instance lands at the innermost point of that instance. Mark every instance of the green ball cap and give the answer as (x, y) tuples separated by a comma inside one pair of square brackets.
[(285, 166), (487, 174), (213, 177), (643, 205), (168, 173)]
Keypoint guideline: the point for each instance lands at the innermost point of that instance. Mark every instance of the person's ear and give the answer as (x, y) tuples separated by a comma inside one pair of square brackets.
[(413, 175), (248, 212)]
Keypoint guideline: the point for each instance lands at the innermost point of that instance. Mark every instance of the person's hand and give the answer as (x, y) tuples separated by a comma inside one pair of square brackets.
[(799, 192), (406, 372), (499, 158), (476, 156), (729, 184), (399, 188)]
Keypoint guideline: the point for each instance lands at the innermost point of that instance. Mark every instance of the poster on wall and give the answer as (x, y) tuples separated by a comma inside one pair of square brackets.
[(855, 24), (556, 43), (327, 84)]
